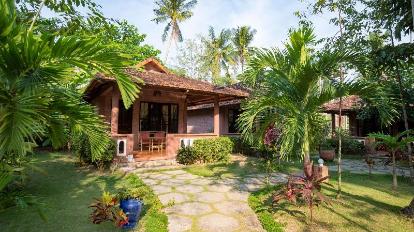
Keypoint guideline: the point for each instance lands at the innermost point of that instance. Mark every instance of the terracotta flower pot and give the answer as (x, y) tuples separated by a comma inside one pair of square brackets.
[(327, 154)]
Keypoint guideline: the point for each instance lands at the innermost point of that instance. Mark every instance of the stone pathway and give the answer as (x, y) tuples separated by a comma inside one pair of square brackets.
[(359, 166), (195, 203)]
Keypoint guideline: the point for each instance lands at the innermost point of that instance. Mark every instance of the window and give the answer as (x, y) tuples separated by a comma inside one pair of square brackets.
[(233, 115), (159, 117), (124, 119)]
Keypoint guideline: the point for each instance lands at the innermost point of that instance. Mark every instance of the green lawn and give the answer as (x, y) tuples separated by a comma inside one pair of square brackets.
[(367, 204), (67, 191), (240, 168)]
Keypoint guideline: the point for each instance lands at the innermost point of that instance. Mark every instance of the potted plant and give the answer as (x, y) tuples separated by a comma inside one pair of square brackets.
[(326, 151), (131, 203), (106, 209)]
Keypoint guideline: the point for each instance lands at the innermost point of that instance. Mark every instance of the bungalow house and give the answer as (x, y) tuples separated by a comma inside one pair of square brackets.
[(158, 122)]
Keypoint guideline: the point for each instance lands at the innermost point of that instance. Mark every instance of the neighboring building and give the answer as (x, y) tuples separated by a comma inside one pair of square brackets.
[(162, 106)]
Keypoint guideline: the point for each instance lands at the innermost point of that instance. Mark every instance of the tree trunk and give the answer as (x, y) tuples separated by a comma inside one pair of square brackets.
[(412, 10), (169, 46), (394, 172), (341, 79), (37, 14), (404, 109), (305, 146)]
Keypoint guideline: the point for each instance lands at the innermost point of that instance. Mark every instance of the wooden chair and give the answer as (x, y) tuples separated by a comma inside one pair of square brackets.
[(145, 140), (159, 140)]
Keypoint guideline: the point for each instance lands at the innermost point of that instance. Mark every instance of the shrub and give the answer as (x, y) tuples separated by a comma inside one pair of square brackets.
[(186, 156), (207, 151), (349, 146), (240, 146), (81, 147)]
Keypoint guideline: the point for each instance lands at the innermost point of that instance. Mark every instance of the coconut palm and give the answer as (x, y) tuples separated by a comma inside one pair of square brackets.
[(289, 88), (393, 144), (173, 12), (242, 38), (218, 53), (37, 99)]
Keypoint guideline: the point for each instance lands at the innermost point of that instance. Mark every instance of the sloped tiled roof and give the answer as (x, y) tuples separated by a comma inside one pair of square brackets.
[(349, 103), (161, 77)]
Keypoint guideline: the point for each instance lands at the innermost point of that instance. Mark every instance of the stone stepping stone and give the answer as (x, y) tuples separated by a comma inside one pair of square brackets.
[(209, 197), (191, 209), (220, 188), (150, 181), (179, 223), (186, 177), (218, 223), (175, 172), (201, 182), (159, 177), (175, 198), (188, 188), (250, 187), (254, 180), (238, 196), (232, 207), (160, 189)]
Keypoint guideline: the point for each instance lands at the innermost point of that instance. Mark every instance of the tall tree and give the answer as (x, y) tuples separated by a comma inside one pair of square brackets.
[(173, 12), (218, 53), (36, 97), (394, 17), (242, 38), (289, 88), (393, 144), (190, 59)]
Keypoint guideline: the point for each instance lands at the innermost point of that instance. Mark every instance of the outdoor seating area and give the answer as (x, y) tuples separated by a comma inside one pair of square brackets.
[(151, 140)]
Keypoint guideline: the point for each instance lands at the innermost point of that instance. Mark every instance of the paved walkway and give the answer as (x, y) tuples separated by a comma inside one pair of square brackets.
[(195, 203), (359, 166)]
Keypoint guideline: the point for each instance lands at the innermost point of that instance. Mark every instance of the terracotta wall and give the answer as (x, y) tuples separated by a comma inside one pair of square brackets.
[(201, 121), (173, 141), (107, 106)]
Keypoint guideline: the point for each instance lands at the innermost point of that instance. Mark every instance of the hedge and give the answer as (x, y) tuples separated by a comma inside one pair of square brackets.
[(349, 146), (207, 151)]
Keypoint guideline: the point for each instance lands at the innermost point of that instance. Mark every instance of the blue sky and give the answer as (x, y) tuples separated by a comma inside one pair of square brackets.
[(271, 18)]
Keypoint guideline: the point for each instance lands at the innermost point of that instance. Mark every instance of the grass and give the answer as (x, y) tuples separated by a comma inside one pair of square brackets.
[(367, 204), (67, 191), (240, 168)]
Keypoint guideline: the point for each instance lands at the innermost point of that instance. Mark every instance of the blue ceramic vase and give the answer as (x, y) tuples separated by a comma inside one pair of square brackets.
[(132, 208)]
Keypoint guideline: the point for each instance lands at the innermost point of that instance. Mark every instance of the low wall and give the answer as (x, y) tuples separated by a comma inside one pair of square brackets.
[(130, 141), (173, 141)]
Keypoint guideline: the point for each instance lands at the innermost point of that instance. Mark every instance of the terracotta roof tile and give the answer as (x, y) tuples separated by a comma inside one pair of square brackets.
[(169, 80), (349, 103)]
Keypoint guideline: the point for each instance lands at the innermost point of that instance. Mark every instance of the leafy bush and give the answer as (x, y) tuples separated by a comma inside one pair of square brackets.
[(240, 146), (82, 148), (187, 156), (307, 188), (349, 146), (207, 151)]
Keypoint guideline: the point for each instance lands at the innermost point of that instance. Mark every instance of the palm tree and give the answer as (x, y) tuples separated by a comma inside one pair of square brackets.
[(218, 53), (173, 12), (242, 38), (289, 88), (393, 143), (37, 99)]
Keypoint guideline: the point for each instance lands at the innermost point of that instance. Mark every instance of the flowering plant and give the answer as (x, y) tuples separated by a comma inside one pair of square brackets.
[(271, 136), (105, 209), (306, 188)]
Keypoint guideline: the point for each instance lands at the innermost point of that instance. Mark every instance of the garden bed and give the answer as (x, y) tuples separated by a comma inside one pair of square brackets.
[(67, 191), (367, 204)]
